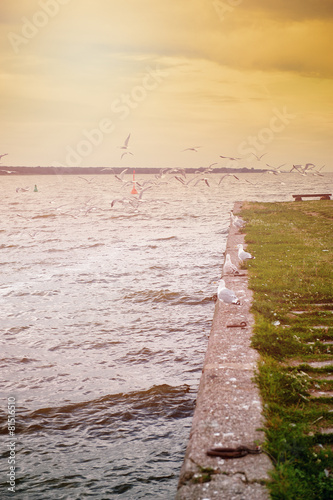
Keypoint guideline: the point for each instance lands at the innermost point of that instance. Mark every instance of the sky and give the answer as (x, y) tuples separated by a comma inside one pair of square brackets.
[(235, 78)]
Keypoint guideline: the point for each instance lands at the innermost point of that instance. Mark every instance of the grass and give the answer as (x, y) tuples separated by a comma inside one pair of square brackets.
[(291, 278)]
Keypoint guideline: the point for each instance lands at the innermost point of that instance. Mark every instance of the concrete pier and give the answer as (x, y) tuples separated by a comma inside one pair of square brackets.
[(228, 410)]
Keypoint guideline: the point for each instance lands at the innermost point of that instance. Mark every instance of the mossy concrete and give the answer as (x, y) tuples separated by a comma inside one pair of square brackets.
[(228, 410)]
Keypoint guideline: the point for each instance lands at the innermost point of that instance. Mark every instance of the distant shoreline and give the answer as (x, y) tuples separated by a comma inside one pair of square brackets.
[(4, 170)]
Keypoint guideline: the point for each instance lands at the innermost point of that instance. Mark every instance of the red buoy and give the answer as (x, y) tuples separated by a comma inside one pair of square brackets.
[(134, 191)]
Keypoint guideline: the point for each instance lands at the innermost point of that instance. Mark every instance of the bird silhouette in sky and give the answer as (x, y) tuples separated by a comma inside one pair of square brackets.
[(192, 149), (125, 145), (230, 158), (259, 157)]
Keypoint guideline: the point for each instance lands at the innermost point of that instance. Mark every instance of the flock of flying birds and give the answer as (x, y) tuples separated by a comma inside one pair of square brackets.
[(165, 175), (179, 174), (309, 168)]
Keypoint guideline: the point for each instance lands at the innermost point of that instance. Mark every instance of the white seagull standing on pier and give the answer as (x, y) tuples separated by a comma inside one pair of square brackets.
[(242, 254), (229, 267), (236, 221), (226, 295)]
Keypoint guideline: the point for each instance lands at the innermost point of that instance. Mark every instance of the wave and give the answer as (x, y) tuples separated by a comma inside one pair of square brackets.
[(146, 355), (77, 247), (92, 246), (44, 216), (174, 298), (100, 416), (6, 361), (7, 246), (36, 293), (166, 238)]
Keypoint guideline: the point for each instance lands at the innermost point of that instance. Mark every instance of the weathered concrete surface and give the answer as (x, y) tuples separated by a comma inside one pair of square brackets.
[(228, 411)]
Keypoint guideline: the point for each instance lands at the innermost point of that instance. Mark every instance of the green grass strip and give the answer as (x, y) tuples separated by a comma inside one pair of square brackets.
[(291, 278)]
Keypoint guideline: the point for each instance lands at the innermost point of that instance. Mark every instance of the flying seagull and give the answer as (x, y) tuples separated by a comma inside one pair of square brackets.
[(259, 157), (274, 170), (317, 172), (193, 149), (121, 175), (300, 169), (181, 171), (120, 200), (183, 182), (230, 158), (162, 173), (203, 179), (125, 146), (87, 180), (180, 179), (226, 175), (126, 153), (142, 191), (108, 168), (313, 169)]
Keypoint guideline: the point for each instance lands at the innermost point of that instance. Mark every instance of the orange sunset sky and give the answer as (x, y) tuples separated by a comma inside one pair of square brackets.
[(234, 77)]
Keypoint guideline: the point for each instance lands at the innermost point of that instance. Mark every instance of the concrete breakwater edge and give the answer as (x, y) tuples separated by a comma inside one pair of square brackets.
[(228, 410)]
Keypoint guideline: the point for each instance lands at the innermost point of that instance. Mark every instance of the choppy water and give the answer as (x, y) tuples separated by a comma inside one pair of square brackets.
[(105, 317)]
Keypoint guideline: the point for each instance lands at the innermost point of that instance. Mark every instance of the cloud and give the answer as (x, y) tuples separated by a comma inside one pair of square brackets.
[(296, 10), (303, 48), (225, 75), (266, 35)]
